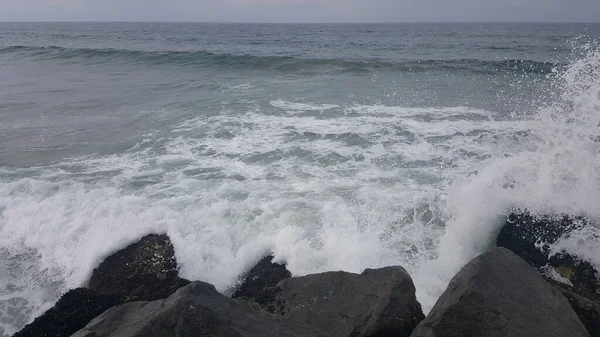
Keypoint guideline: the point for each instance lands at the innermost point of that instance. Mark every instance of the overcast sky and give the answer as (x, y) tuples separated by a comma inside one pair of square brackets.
[(301, 10)]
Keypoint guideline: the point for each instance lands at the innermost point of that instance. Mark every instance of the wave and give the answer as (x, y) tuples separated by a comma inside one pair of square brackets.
[(274, 63), (553, 168)]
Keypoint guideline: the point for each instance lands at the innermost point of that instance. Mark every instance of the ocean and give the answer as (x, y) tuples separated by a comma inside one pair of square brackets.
[(333, 146)]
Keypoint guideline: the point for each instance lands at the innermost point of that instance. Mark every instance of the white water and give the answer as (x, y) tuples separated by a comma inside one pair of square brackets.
[(374, 186), (555, 169)]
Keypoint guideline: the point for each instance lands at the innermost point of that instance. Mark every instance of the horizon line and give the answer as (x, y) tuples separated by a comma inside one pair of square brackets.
[(307, 23)]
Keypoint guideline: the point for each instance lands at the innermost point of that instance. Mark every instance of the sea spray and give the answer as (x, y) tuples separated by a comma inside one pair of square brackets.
[(553, 168)]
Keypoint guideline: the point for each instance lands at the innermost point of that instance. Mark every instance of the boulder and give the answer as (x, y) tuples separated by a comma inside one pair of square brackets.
[(145, 270), (587, 310), (264, 273), (194, 310), (71, 313), (585, 305), (499, 294), (530, 237), (378, 302), (582, 275)]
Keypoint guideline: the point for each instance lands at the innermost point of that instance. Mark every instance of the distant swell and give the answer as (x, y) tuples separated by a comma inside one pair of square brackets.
[(275, 63)]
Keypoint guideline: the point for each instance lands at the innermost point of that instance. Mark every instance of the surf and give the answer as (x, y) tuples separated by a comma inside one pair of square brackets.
[(321, 185), (284, 64)]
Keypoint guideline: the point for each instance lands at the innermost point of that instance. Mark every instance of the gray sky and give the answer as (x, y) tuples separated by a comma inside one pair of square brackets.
[(301, 10)]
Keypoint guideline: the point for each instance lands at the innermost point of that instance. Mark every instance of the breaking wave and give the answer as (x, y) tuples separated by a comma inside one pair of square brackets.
[(274, 63)]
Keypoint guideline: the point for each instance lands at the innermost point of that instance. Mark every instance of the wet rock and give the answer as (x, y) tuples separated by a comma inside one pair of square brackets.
[(264, 273), (266, 300), (585, 305), (499, 294), (73, 311), (587, 310), (194, 310), (378, 302), (580, 274), (145, 270), (530, 237)]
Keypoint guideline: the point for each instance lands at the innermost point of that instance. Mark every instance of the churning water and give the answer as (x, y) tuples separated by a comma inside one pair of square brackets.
[(335, 147)]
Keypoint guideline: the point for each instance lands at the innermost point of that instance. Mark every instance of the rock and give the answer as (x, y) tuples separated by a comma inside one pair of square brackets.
[(530, 237), (194, 310), (146, 270), (378, 302), (523, 233), (499, 294), (71, 313), (586, 307), (587, 310), (581, 274), (264, 273)]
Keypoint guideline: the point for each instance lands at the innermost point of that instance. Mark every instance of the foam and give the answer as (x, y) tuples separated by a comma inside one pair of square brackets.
[(221, 210), (583, 243), (301, 107), (555, 169), (398, 111)]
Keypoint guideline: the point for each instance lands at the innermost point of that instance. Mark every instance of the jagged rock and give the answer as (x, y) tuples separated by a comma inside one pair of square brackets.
[(145, 270), (378, 302), (587, 310), (530, 237), (581, 274), (374, 303), (585, 305), (194, 310), (71, 313), (264, 273), (499, 294)]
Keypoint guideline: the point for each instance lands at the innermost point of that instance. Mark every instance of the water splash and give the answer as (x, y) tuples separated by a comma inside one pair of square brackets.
[(554, 167)]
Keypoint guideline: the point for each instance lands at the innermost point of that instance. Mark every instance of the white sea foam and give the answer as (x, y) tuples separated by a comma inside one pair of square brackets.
[(300, 107), (439, 112), (584, 243), (556, 169)]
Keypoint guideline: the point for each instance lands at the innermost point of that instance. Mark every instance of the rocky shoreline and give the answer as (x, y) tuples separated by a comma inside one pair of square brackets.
[(507, 291)]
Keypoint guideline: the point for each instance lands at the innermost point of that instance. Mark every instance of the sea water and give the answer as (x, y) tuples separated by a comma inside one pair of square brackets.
[(334, 147)]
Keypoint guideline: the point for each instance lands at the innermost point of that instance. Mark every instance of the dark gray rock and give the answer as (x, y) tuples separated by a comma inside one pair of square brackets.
[(581, 274), (523, 233), (71, 313), (587, 310), (196, 310), (586, 307), (378, 302), (530, 237), (499, 294), (267, 300), (264, 273), (145, 270)]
